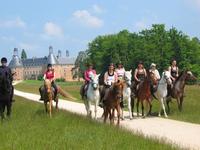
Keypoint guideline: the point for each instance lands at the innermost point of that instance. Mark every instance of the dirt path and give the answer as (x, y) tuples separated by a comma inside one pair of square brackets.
[(186, 135)]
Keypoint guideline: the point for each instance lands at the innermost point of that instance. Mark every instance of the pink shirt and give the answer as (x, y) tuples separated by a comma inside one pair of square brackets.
[(88, 74)]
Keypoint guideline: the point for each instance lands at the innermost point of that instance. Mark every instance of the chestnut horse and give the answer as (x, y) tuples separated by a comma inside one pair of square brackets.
[(112, 101), (49, 96), (144, 93), (177, 91)]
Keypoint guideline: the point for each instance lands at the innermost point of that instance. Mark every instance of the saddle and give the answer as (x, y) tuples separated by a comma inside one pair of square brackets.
[(43, 93)]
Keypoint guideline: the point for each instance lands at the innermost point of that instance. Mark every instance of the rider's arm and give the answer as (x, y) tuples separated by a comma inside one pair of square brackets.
[(105, 78), (116, 76), (157, 75), (44, 76), (86, 76), (145, 72), (135, 75)]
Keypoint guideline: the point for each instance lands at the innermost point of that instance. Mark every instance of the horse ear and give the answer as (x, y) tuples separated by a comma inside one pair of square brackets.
[(118, 81)]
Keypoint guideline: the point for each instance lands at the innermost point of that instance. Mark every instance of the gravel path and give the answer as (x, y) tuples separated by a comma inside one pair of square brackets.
[(183, 134)]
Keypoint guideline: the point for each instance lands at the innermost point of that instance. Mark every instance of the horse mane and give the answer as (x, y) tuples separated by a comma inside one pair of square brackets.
[(181, 74)]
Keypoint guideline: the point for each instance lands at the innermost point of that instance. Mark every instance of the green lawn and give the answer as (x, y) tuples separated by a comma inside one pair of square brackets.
[(191, 102), (30, 128)]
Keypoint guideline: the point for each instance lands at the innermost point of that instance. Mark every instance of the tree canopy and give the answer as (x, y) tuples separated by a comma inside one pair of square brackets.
[(154, 45)]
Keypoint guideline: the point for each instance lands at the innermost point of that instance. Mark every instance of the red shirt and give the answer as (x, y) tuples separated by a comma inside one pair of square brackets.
[(49, 74)]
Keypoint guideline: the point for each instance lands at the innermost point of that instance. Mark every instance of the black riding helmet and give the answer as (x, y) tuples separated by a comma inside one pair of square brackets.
[(49, 65), (3, 60)]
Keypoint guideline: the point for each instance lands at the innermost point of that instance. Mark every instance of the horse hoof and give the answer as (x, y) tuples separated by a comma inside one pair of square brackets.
[(159, 115), (143, 117), (166, 116), (122, 118), (131, 118)]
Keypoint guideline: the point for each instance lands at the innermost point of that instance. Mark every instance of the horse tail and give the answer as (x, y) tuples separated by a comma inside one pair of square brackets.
[(65, 94)]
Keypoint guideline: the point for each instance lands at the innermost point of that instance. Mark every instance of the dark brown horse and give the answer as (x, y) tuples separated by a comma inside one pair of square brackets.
[(177, 91), (144, 93), (112, 102)]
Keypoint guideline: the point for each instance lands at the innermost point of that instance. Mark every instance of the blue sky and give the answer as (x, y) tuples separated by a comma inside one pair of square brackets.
[(71, 24)]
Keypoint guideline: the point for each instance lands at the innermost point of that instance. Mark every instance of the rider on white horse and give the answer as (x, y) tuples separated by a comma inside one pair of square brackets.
[(88, 74)]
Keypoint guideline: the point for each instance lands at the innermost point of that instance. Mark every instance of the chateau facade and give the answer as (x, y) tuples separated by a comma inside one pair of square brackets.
[(34, 68)]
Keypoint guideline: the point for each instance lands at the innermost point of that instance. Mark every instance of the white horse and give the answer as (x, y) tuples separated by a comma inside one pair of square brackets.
[(127, 92), (161, 92), (93, 95)]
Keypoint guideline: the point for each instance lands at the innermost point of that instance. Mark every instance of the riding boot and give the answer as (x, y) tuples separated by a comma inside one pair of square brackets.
[(41, 94)]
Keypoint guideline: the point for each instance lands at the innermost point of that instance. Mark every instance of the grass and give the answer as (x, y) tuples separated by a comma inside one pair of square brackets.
[(191, 102), (30, 128)]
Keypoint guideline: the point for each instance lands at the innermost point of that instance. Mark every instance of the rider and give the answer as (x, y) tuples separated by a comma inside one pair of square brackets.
[(120, 71), (110, 77), (157, 75), (173, 69), (88, 74), (50, 75), (4, 69), (139, 75)]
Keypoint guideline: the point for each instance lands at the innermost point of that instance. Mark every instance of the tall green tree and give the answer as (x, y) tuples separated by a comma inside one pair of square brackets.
[(23, 54)]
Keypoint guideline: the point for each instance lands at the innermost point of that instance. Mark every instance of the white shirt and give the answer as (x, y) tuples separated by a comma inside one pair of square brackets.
[(156, 73)]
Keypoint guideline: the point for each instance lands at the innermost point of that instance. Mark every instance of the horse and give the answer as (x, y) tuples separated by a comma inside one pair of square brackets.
[(144, 93), (127, 92), (49, 96), (92, 95), (5, 97), (177, 91), (112, 101), (161, 92)]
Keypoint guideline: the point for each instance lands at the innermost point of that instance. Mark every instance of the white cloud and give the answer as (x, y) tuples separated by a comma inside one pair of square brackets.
[(97, 9), (15, 23), (52, 29), (84, 17)]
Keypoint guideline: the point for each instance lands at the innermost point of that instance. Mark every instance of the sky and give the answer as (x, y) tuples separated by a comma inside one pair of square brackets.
[(72, 24)]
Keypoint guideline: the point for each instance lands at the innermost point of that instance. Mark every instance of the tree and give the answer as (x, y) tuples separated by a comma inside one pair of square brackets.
[(23, 55)]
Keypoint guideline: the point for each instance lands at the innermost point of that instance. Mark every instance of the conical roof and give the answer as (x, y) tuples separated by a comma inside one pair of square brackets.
[(51, 58), (16, 61)]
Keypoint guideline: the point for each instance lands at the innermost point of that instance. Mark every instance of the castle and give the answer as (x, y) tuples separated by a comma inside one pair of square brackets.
[(34, 68)]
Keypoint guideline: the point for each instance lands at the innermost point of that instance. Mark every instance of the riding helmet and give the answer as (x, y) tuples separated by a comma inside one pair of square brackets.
[(3, 60)]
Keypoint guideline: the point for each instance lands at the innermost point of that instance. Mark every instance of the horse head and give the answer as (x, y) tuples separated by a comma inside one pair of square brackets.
[(127, 77), (190, 75), (118, 89), (167, 77), (95, 81), (47, 85)]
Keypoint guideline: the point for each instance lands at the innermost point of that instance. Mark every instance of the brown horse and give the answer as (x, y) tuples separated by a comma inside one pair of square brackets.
[(177, 91), (49, 96), (144, 93), (112, 102)]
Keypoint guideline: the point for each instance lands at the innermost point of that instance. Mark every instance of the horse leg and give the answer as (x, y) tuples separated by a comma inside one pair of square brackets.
[(50, 107), (163, 107), (105, 114), (89, 109), (9, 105), (111, 116), (129, 108), (178, 102), (142, 103), (45, 105), (95, 108), (57, 103), (181, 103), (118, 115), (137, 107), (167, 102), (1, 111), (132, 106), (122, 110), (150, 107)]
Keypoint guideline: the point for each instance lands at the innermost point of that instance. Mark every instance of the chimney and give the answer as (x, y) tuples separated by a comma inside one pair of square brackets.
[(67, 53), (50, 50), (59, 54), (15, 52)]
